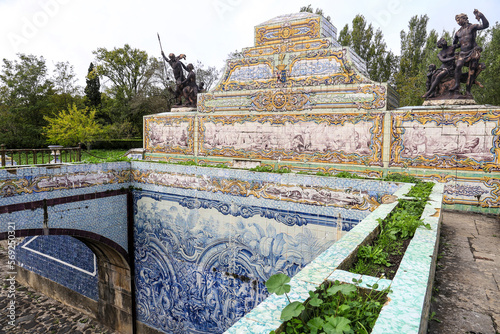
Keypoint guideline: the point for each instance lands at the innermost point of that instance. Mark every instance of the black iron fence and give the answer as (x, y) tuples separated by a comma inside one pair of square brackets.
[(51, 155)]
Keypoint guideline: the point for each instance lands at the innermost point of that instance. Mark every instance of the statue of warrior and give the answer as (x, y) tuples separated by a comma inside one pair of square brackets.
[(177, 67)]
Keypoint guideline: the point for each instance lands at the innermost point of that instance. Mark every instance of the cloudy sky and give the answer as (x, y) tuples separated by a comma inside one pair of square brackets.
[(205, 30)]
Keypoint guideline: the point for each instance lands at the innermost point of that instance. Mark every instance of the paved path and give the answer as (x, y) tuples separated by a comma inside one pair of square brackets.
[(37, 313), (467, 288)]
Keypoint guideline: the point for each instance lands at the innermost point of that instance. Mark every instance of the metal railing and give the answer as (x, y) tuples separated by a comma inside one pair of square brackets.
[(26, 156)]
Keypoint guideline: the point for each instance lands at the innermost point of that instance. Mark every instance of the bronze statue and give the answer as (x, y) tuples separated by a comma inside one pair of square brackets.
[(470, 52), (190, 90), (447, 69), (444, 82), (177, 67)]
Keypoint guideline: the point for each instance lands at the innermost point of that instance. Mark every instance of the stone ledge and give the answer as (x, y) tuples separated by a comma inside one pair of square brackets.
[(454, 102), (183, 109)]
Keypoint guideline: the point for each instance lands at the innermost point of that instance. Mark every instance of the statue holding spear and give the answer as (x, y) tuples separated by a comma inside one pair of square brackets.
[(177, 67)]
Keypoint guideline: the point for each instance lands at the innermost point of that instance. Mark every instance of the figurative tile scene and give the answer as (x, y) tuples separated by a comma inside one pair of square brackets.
[(461, 140), (326, 138), (172, 135)]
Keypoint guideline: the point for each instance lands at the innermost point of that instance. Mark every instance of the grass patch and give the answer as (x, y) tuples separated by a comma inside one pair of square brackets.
[(100, 156), (269, 169)]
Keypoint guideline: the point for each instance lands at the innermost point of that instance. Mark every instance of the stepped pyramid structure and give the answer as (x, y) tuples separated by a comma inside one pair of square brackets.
[(296, 65), (296, 96)]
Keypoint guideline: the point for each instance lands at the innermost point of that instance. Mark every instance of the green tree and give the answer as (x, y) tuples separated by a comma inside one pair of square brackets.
[(130, 70), (72, 126), (132, 76), (384, 62), (490, 94), (410, 81), (65, 85), (370, 46), (26, 93), (92, 89)]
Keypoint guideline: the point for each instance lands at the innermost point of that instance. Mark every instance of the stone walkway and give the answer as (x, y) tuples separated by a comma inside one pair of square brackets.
[(37, 313), (466, 296)]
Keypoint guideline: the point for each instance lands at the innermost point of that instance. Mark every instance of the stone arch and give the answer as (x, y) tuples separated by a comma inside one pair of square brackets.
[(115, 305)]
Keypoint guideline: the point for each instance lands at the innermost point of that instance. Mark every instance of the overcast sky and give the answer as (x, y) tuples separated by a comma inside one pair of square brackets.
[(205, 30)]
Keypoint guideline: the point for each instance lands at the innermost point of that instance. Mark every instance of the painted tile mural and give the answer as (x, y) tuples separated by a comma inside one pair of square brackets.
[(324, 195), (474, 190), (169, 134), (332, 138), (63, 180), (460, 140), (275, 32), (298, 69), (202, 264)]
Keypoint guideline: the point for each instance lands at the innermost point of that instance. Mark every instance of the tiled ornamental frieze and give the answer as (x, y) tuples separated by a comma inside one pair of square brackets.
[(169, 134), (347, 138), (455, 145), (459, 139)]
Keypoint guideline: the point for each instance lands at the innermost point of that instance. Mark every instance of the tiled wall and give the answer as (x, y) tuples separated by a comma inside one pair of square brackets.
[(62, 259), (71, 197), (207, 239), (457, 146), (296, 65), (84, 200)]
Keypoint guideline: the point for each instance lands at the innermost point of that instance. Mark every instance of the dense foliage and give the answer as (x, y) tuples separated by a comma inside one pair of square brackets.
[(73, 126), (135, 85)]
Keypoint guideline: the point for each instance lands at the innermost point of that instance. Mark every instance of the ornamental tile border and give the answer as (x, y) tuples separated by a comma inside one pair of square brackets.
[(408, 306)]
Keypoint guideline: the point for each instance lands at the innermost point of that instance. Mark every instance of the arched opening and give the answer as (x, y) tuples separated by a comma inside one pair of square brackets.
[(114, 305)]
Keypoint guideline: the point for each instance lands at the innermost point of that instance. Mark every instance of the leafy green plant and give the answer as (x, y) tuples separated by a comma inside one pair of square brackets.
[(421, 190), (432, 317), (187, 163), (333, 308), (374, 253), (398, 177), (394, 231)]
